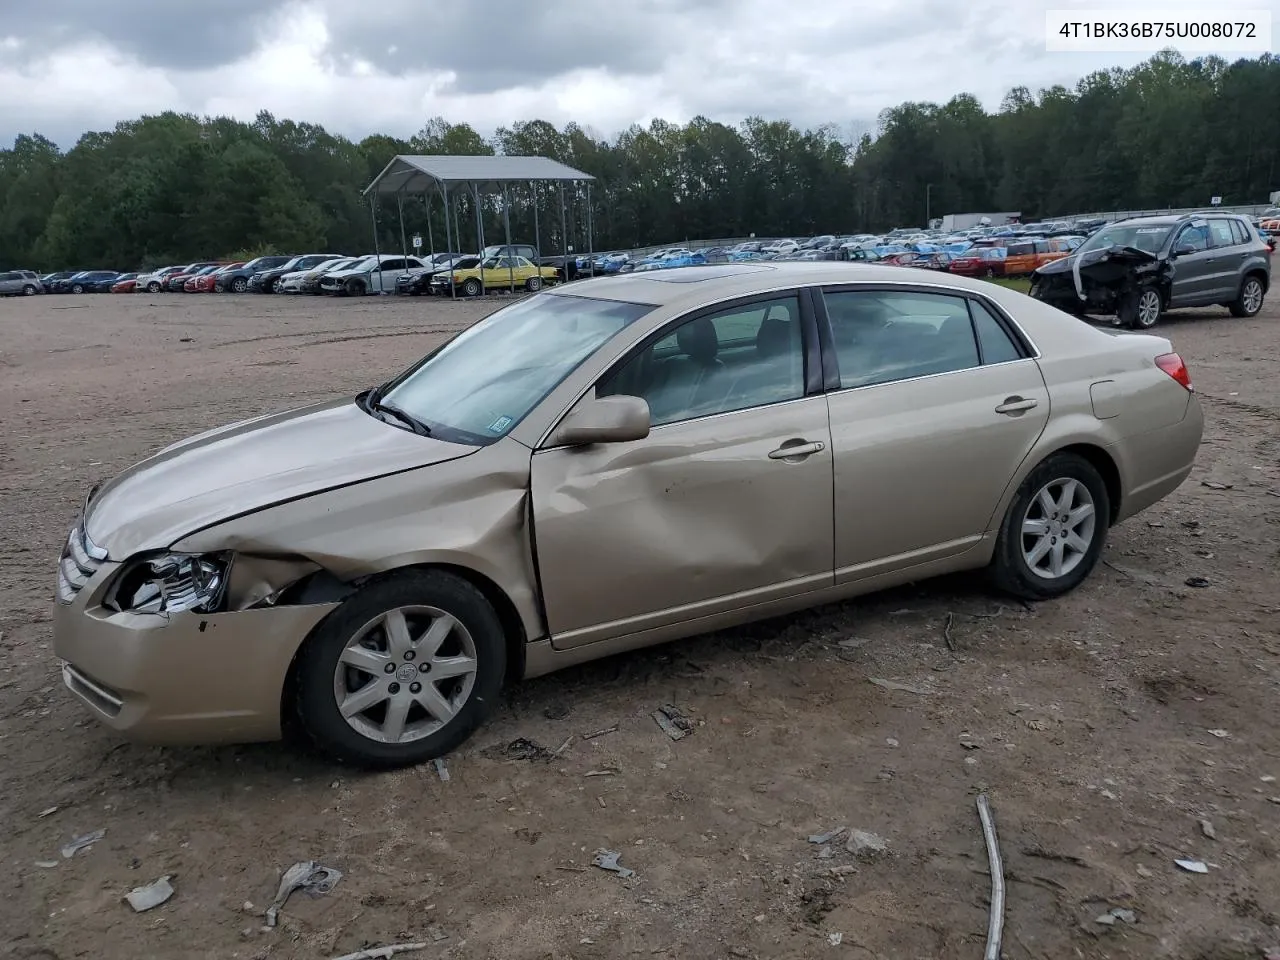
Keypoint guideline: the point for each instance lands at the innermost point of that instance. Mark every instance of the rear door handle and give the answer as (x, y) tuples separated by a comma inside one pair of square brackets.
[(797, 450), (1016, 405)]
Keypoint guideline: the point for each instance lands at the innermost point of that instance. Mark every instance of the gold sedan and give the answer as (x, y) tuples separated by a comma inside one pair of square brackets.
[(624, 461)]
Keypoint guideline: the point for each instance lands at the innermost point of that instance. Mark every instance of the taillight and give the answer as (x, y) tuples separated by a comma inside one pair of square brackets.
[(1172, 364)]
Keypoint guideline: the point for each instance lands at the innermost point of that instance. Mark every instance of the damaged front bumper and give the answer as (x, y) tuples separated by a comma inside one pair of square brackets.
[(180, 678), (1101, 281)]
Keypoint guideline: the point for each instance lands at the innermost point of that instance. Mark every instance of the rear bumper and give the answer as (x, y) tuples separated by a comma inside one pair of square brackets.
[(186, 679), (1156, 463)]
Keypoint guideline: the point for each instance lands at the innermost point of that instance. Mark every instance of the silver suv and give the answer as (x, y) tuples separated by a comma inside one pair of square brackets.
[(1136, 269), (23, 283)]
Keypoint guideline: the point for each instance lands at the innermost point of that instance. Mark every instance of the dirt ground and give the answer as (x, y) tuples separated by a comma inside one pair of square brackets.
[(1113, 729)]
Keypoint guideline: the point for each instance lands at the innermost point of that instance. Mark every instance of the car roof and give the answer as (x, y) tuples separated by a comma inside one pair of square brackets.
[(689, 285)]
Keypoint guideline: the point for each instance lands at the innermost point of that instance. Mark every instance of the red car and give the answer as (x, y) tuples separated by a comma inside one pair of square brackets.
[(204, 281), (124, 286), (979, 262)]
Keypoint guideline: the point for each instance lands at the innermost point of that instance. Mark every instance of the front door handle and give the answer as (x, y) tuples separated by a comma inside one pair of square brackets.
[(1013, 406), (797, 450)]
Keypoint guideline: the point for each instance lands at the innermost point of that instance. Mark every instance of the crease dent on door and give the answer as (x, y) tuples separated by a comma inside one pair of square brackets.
[(695, 519)]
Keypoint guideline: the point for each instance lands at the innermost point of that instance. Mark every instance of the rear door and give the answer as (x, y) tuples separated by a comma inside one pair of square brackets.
[(940, 400), (1229, 255)]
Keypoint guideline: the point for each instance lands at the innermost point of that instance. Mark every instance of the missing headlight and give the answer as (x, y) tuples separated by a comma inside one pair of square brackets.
[(171, 583)]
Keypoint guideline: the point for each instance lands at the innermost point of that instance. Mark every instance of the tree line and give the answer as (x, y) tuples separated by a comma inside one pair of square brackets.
[(173, 187)]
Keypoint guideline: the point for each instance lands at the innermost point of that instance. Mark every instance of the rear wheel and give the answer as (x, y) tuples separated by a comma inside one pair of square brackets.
[(1250, 300), (1141, 309), (402, 672), (1054, 530)]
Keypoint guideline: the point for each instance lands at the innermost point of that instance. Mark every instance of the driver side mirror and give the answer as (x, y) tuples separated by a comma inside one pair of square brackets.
[(603, 420), (1184, 247)]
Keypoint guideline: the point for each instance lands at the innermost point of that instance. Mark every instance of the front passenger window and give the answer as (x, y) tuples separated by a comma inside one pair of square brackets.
[(739, 358), (1194, 237)]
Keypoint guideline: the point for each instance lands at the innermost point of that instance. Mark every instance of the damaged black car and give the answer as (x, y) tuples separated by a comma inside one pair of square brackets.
[(1137, 269)]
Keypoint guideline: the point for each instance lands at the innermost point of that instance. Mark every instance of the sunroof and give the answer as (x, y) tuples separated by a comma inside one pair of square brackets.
[(711, 272)]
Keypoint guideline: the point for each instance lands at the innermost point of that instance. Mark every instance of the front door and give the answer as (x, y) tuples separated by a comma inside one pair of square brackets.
[(726, 504), (940, 402), (1193, 267)]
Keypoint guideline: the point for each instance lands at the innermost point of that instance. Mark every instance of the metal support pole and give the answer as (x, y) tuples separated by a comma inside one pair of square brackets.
[(564, 234), (506, 223), (377, 252), (431, 240), (591, 222), (404, 244), (537, 240), (475, 193), (445, 187)]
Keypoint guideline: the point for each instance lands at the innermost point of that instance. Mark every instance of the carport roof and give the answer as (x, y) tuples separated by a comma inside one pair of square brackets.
[(420, 174)]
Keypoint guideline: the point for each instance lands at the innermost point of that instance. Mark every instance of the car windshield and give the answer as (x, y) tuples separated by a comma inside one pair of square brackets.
[(480, 384), (1148, 237)]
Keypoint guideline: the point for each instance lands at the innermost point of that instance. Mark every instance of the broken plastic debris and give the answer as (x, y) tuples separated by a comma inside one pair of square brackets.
[(1215, 485), (895, 685), (305, 875), (835, 938), (1117, 913), (150, 895), (1192, 866), (1220, 734), (1198, 582), (442, 769), (608, 860), (821, 838), (866, 845), (82, 843), (1207, 829), (1146, 872), (673, 723), (49, 812), (46, 864)]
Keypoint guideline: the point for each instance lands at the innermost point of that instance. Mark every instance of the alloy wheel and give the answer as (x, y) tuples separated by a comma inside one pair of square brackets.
[(1058, 528), (1148, 308), (1251, 297), (405, 674)]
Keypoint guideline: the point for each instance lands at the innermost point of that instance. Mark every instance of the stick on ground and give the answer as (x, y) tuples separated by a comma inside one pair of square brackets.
[(995, 926)]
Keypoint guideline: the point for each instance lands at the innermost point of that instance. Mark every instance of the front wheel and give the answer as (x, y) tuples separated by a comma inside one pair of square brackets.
[(1141, 310), (239, 285), (355, 288), (533, 284), (153, 287), (1054, 531), (1250, 300), (402, 672), (471, 288), (77, 288), (29, 291)]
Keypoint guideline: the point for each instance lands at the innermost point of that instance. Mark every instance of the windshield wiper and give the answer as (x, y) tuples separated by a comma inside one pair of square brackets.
[(412, 422)]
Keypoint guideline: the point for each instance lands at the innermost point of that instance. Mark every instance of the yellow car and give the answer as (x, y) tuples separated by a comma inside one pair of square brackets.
[(499, 273)]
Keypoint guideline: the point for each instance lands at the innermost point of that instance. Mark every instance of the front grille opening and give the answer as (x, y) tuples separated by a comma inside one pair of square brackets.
[(97, 694)]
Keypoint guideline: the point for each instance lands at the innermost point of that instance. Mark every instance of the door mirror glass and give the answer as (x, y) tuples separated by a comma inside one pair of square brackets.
[(1183, 248), (613, 419)]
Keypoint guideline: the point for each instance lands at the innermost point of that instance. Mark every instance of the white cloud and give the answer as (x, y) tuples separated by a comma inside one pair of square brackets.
[(809, 61)]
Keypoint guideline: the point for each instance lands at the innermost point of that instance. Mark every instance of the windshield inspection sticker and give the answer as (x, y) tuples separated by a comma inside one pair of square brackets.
[(500, 425)]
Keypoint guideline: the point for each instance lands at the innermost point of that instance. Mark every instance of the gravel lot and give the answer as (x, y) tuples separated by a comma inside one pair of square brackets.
[(1108, 727)]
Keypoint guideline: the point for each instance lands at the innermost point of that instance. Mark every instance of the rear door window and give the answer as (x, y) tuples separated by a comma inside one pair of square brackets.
[(1239, 231), (1220, 231)]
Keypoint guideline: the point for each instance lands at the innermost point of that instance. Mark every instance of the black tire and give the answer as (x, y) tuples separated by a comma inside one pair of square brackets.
[(1010, 570), (355, 288), (29, 291), (1141, 309), (1245, 305), (239, 285), (77, 288), (153, 286), (471, 288), (990, 273), (533, 284), (316, 705)]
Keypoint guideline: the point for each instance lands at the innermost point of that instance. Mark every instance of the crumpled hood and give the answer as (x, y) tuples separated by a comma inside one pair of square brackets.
[(250, 465)]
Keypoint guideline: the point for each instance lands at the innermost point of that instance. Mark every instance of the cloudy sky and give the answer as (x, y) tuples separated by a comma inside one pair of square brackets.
[(67, 66)]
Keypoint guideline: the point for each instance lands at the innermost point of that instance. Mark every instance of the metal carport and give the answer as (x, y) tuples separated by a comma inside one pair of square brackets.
[(476, 175)]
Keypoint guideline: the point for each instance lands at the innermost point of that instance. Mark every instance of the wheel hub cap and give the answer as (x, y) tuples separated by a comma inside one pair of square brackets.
[(1058, 528)]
